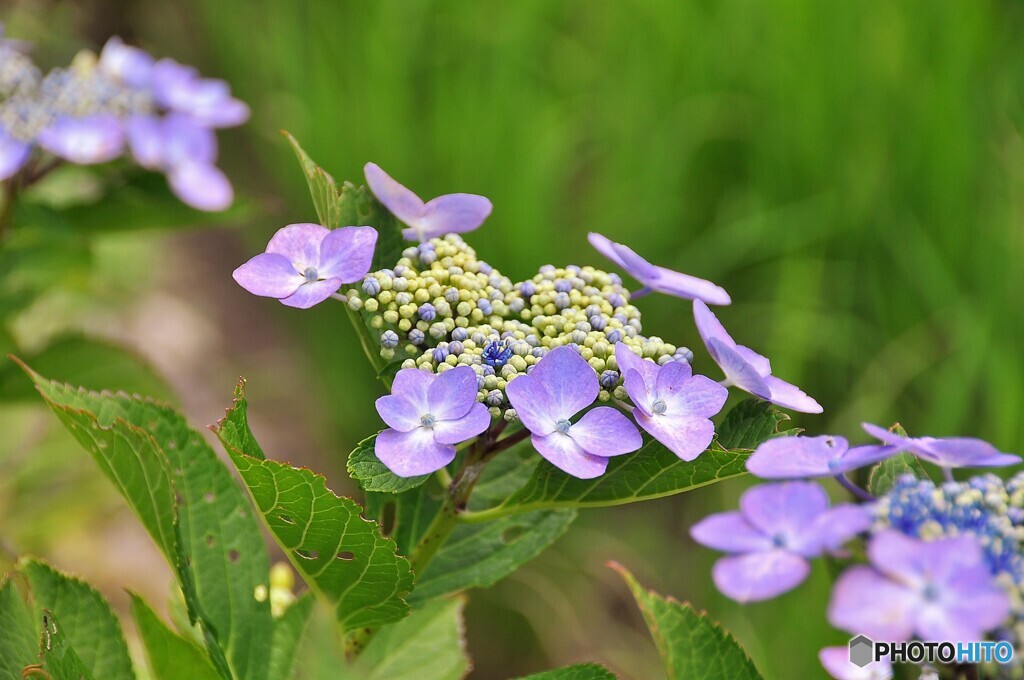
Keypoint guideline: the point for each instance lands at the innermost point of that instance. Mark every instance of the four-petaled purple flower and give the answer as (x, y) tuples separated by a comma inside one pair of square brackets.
[(931, 590), (745, 368), (770, 538), (560, 386), (427, 414), (824, 456), (947, 452), (671, 403), (451, 213), (836, 661), (304, 264), (658, 278)]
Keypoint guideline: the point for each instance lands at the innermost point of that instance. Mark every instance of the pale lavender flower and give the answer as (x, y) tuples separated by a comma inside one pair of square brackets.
[(929, 590), (947, 452), (658, 278), (427, 414), (745, 368), (561, 385), (207, 100), (824, 456), (130, 65), (671, 403), (305, 263), (451, 213), (186, 152), (91, 139), (836, 661), (770, 538), (13, 154)]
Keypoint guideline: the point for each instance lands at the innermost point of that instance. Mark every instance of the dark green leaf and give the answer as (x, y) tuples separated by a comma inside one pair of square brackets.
[(749, 423), (583, 671), (171, 657), (373, 475), (19, 645), (692, 646), (884, 474)]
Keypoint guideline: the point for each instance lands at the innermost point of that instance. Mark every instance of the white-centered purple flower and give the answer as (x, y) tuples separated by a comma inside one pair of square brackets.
[(91, 139), (671, 403), (770, 538), (745, 368), (836, 661), (304, 264), (427, 414), (451, 213), (561, 385), (946, 452), (824, 456), (658, 278), (929, 590), (208, 101), (186, 152)]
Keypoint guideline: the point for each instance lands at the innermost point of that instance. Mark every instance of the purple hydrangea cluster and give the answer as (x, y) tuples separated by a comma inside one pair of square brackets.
[(99, 107)]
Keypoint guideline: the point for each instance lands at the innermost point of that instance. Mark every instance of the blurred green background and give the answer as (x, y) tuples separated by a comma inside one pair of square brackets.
[(852, 172)]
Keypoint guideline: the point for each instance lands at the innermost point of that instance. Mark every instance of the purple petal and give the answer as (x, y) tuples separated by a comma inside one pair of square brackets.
[(476, 421), (268, 275), (901, 557), (688, 287), (865, 602), (310, 294), (628, 360), (692, 396), (887, 437), (408, 454), (638, 392), (400, 202), (795, 457), (207, 100), (962, 452), (569, 380), (413, 384), (785, 507), (146, 140), (758, 361), (862, 456), (398, 412), (710, 327), (759, 576), (532, 403), (974, 604), (130, 65), (737, 371), (790, 396), (686, 436), (347, 253), (836, 661), (204, 187), (13, 154), (185, 141), (453, 393), (606, 432), (730, 532), (565, 454), (832, 529), (606, 247), (635, 265), (300, 243), (454, 214), (93, 139)]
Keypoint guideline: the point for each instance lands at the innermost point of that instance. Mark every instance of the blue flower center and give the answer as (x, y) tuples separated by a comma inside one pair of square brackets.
[(311, 274), (930, 592), (779, 540), (496, 353), (563, 426), (428, 420), (659, 407)]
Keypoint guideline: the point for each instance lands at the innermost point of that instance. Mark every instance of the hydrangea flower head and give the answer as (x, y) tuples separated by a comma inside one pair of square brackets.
[(745, 368), (931, 590), (770, 538), (658, 278), (304, 264), (427, 414), (948, 452), (804, 457), (836, 661), (451, 213), (561, 385), (671, 403)]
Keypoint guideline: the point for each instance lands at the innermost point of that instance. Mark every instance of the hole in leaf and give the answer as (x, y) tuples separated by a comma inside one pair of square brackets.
[(512, 534), (346, 555), (387, 518), (172, 444), (179, 497), (287, 519), (232, 556), (209, 497), (102, 444), (210, 540), (307, 554)]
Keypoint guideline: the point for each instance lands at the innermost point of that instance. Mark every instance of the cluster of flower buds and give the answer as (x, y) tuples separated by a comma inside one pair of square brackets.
[(99, 106), (442, 307)]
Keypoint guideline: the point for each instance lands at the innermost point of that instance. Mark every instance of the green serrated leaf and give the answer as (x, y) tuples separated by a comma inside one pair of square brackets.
[(692, 646), (191, 506), (428, 645), (288, 630), (18, 643), (341, 555), (749, 423), (89, 624), (171, 657), (373, 475), (885, 473), (583, 671), (60, 661)]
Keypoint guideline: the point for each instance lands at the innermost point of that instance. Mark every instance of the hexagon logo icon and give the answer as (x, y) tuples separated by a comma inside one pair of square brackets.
[(862, 651)]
